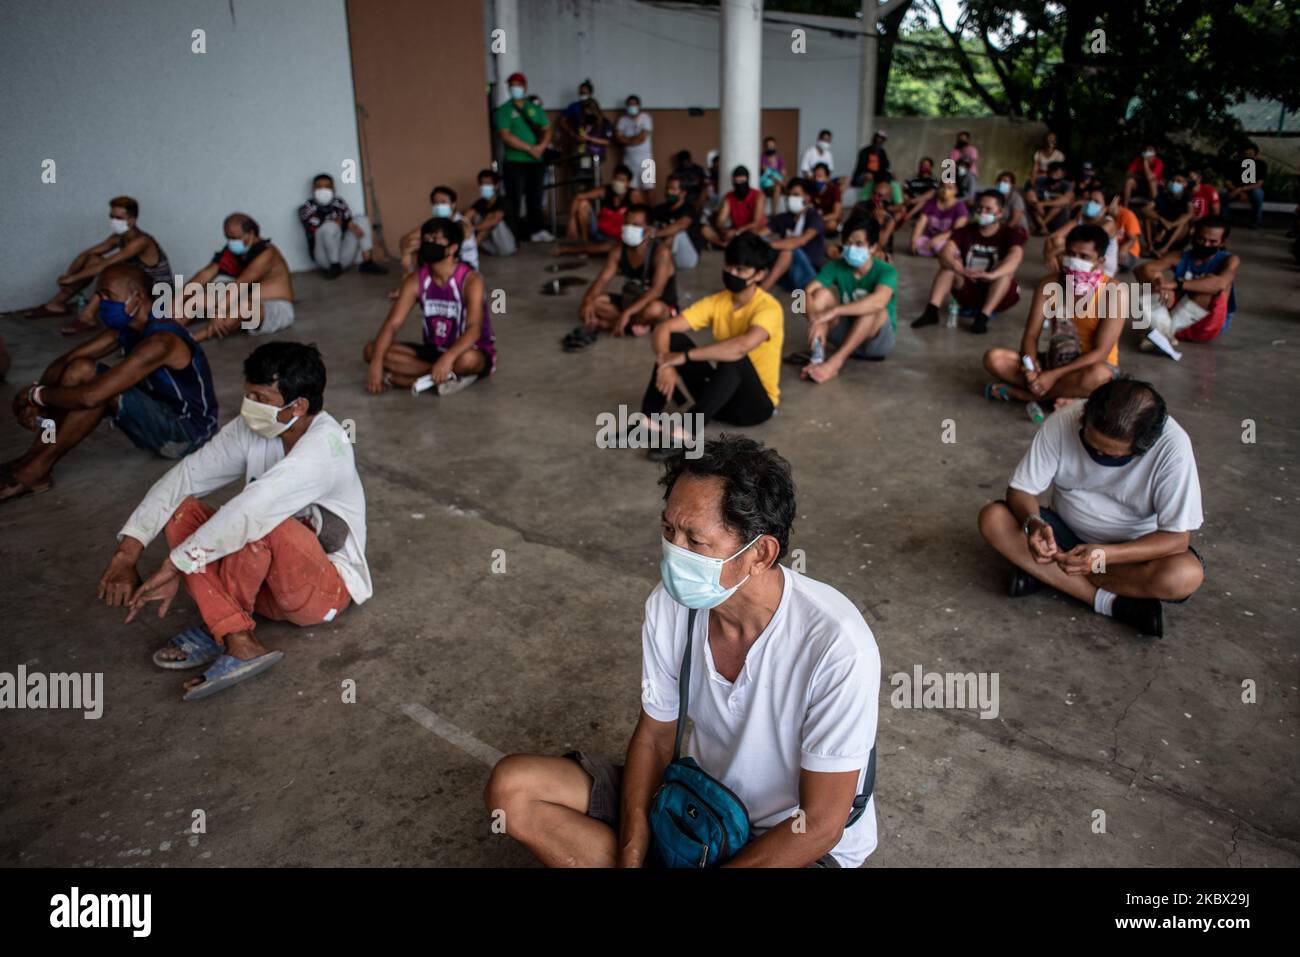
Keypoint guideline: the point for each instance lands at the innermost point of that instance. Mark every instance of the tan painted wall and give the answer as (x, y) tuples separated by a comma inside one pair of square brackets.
[(422, 118)]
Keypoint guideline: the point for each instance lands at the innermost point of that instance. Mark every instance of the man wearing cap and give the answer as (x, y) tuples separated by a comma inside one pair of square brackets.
[(526, 133), (873, 161)]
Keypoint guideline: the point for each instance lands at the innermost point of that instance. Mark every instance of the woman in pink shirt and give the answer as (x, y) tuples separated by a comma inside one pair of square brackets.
[(964, 150)]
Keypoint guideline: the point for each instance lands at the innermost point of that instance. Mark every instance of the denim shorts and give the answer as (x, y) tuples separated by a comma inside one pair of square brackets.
[(1066, 539), (152, 425), (606, 790)]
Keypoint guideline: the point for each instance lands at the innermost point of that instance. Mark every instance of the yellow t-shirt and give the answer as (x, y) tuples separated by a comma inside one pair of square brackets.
[(726, 322), (1088, 325)]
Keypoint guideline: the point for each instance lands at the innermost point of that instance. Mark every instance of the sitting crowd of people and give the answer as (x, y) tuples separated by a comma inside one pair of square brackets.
[(290, 544)]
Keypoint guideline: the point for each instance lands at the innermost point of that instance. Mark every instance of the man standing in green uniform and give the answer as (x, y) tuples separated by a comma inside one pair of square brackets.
[(526, 133)]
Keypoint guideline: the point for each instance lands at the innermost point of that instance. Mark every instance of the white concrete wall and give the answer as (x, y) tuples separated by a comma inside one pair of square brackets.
[(111, 91), (668, 55)]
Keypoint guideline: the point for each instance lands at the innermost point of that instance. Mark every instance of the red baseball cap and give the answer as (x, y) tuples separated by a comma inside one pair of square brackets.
[(513, 77)]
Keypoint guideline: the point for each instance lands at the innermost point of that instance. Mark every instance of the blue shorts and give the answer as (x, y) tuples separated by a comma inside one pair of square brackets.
[(152, 425)]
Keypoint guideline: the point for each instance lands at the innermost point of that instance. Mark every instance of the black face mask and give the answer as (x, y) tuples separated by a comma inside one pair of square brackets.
[(1111, 461), (770, 151), (1202, 251), (431, 253), (742, 189), (733, 282)]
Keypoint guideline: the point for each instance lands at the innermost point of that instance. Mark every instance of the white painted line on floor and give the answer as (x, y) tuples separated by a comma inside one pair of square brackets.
[(452, 734)]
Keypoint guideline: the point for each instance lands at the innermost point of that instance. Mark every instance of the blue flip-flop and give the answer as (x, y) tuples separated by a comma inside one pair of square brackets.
[(228, 670), (199, 647)]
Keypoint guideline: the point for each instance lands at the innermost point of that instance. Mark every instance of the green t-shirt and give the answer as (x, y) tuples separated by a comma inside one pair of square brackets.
[(511, 117), (839, 275)]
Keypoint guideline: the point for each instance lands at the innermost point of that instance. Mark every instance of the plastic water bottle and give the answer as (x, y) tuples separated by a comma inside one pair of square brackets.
[(952, 313), (818, 351), (1036, 413)]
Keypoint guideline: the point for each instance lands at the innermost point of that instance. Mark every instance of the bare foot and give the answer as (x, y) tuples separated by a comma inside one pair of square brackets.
[(639, 330), (820, 372), (1063, 403)]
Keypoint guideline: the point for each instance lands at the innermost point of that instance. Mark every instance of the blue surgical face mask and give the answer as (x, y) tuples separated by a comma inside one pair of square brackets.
[(1091, 209), (237, 246), (1175, 188), (518, 92), (1004, 187), (442, 210), (113, 314), (857, 256), (633, 110), (693, 580), (1111, 461), (486, 190)]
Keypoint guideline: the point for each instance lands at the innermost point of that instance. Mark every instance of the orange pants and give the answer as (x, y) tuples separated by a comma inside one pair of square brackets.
[(284, 576)]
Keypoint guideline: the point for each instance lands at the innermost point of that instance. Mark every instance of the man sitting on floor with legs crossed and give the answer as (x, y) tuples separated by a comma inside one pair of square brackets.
[(1126, 498), (736, 377), (1086, 311), (458, 344), (978, 266), (782, 680), (160, 394), (851, 304), (291, 546), (649, 286)]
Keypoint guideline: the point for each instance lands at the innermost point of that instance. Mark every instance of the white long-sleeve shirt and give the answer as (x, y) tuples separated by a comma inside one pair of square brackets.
[(320, 470), (814, 155)]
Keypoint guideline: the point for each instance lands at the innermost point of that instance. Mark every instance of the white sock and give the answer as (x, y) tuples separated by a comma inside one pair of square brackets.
[(1103, 602)]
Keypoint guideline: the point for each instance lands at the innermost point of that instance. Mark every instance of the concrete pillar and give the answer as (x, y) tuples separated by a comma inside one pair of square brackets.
[(872, 12), (740, 44), (505, 17)]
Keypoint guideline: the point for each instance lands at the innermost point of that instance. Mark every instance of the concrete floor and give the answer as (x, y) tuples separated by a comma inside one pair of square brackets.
[(546, 656)]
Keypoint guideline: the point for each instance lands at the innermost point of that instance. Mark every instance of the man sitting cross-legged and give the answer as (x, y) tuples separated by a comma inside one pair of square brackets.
[(249, 269), (126, 244), (1125, 500), (978, 267), (782, 676), (291, 546), (458, 344), (1086, 312), (851, 304), (649, 286), (160, 394)]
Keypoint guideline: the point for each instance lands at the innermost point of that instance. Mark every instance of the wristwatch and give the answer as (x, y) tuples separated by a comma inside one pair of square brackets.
[(1025, 526)]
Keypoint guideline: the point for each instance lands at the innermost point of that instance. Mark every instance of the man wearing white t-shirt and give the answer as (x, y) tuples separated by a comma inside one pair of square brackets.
[(633, 131), (1125, 500), (819, 152), (783, 690), (291, 546)]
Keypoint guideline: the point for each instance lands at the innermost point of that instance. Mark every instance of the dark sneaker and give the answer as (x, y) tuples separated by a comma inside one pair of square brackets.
[(1145, 614), (980, 325), (928, 318), (1022, 583), (372, 268)]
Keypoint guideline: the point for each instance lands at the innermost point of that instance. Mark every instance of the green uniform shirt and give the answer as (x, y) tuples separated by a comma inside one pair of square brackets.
[(840, 276), (510, 117)]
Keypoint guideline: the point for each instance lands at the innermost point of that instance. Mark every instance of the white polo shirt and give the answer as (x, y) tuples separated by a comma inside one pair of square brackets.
[(806, 697), (1105, 504)]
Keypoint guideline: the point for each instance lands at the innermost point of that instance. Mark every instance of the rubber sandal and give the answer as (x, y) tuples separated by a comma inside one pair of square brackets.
[(798, 359), (44, 312), (997, 391), (8, 485), (228, 670), (198, 645), (78, 327)]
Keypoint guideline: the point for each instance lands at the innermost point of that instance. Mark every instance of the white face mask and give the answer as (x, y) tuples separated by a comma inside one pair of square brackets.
[(633, 235), (619, 187), (824, 145), (1075, 264), (261, 417), (118, 226), (795, 204), (323, 196)]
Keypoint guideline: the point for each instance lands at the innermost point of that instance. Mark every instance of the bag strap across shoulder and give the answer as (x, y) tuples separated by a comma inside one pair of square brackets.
[(683, 696)]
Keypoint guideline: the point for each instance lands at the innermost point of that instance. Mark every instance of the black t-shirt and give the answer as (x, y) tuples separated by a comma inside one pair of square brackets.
[(1172, 207), (784, 225), (1234, 175), (484, 206), (665, 214), (917, 185)]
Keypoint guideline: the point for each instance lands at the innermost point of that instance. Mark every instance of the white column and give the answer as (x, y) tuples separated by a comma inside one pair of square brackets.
[(505, 17), (740, 44), (872, 12)]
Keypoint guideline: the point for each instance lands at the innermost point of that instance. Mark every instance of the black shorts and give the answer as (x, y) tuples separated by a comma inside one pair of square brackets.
[(1066, 539), (607, 786), (425, 352)]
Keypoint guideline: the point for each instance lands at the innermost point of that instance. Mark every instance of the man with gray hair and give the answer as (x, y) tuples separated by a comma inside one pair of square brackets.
[(779, 675)]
